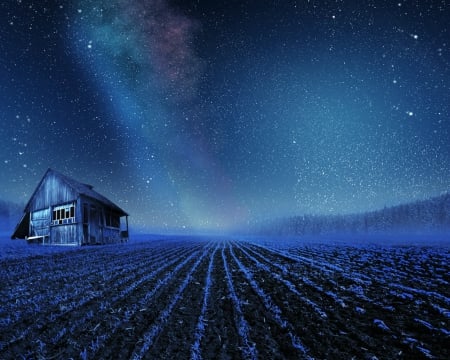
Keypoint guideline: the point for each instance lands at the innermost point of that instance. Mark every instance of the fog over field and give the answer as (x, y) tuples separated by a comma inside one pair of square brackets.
[(187, 179)]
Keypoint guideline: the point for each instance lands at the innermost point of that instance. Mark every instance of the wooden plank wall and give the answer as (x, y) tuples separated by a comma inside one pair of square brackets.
[(65, 234), (52, 191), (40, 222)]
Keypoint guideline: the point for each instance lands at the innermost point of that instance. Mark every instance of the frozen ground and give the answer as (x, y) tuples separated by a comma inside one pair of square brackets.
[(201, 297)]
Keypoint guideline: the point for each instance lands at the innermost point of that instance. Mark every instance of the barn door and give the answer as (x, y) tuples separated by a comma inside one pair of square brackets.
[(94, 228), (86, 224), (91, 225)]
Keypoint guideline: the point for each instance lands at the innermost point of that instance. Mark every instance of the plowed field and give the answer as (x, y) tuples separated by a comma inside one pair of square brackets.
[(214, 298)]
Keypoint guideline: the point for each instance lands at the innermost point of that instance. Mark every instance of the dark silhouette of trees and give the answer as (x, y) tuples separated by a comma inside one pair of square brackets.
[(425, 216), (10, 214)]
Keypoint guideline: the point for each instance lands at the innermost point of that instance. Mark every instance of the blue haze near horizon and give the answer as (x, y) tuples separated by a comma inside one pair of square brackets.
[(201, 116)]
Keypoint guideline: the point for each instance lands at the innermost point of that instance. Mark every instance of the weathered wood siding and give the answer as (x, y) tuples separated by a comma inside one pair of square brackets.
[(94, 228), (65, 234), (111, 235), (52, 191), (64, 211), (40, 223)]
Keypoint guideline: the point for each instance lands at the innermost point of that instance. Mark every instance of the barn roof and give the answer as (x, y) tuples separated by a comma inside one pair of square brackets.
[(81, 189), (21, 230)]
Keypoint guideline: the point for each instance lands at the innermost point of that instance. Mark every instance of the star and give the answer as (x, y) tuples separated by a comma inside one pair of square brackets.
[(206, 116)]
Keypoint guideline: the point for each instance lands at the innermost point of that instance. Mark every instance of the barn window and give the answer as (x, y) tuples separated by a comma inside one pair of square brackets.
[(115, 221), (85, 214), (64, 214), (107, 218), (112, 219)]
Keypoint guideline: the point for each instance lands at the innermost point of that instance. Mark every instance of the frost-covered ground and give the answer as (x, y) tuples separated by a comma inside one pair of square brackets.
[(200, 297), (10, 249)]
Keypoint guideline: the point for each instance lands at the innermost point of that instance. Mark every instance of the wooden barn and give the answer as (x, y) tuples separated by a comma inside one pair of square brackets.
[(63, 211)]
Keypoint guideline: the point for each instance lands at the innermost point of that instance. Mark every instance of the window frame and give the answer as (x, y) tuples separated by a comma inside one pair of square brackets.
[(63, 214)]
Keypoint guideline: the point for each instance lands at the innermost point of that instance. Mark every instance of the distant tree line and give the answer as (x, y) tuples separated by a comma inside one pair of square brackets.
[(427, 216), (10, 215)]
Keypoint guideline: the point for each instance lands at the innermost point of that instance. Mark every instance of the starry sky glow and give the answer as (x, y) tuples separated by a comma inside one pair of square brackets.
[(198, 115)]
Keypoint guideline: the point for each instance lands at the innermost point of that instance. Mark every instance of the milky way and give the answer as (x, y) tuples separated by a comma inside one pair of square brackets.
[(194, 115), (146, 62)]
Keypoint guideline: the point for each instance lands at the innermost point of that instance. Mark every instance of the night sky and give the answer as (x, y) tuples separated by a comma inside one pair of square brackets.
[(205, 115)]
